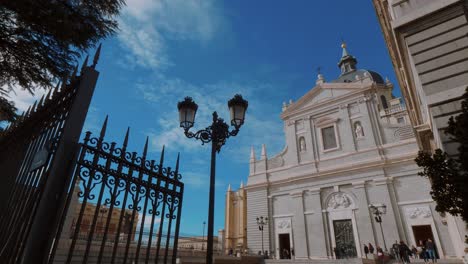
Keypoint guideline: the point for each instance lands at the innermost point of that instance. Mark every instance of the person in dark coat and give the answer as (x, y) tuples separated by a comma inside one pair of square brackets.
[(366, 250), (404, 251), (371, 248), (396, 251), (423, 253)]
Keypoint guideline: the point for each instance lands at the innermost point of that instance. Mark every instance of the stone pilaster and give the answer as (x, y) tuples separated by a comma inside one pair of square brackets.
[(363, 216), (389, 224), (316, 227), (347, 135), (299, 230)]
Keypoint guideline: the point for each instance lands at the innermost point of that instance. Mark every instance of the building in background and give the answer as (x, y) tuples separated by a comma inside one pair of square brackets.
[(235, 231), (349, 144), (198, 243), (126, 226), (428, 44)]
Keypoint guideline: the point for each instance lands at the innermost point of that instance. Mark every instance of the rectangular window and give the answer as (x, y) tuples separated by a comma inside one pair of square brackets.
[(329, 138), (401, 120)]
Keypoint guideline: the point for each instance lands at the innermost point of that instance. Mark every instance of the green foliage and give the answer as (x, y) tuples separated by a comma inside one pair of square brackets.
[(443, 173), (458, 129), (40, 41), (7, 110), (449, 176)]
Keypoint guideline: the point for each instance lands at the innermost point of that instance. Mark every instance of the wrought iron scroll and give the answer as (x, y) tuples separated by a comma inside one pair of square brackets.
[(122, 207)]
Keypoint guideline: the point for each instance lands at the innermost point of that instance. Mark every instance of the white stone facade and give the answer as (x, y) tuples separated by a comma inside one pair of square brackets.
[(345, 149)]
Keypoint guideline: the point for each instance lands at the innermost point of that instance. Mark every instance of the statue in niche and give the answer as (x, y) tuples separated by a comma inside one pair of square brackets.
[(358, 130), (302, 144)]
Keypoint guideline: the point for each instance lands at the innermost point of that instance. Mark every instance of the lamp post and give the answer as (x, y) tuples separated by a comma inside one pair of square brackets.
[(217, 134), (378, 210), (203, 237), (261, 222), (102, 212)]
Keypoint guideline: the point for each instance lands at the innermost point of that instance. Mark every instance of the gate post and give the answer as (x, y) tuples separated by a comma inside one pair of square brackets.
[(46, 220)]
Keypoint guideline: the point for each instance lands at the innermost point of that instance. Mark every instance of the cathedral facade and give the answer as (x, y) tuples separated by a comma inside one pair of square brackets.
[(349, 145)]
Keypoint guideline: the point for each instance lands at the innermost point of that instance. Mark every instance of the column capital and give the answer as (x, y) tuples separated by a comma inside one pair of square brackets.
[(383, 181), (296, 194), (359, 184), (314, 191)]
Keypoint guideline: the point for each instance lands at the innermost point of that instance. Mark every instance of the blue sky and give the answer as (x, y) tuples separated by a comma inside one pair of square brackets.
[(268, 51)]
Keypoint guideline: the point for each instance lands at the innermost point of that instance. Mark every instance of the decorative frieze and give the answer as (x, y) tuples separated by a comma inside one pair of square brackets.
[(284, 224), (339, 201), (418, 212)]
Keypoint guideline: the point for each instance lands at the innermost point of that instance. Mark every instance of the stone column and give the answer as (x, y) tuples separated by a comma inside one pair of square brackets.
[(299, 230), (316, 230), (389, 224), (348, 135), (363, 216)]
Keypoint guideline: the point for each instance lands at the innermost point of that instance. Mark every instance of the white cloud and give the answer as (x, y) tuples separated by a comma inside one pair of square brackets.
[(145, 43), (145, 25), (260, 127), (23, 98)]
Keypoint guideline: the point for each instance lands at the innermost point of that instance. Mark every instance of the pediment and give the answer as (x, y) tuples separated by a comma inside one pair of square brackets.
[(321, 94)]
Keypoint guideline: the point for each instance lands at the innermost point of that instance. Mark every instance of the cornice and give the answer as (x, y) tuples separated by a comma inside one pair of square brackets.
[(297, 194), (383, 181), (358, 184), (295, 108), (386, 146), (352, 168)]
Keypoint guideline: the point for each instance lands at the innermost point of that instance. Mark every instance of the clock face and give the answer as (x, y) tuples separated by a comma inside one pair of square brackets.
[(329, 139)]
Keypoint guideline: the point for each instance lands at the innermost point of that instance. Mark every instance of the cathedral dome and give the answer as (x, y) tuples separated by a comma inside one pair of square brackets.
[(349, 72)]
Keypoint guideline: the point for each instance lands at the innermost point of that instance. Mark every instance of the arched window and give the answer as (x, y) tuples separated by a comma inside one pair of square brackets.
[(384, 101)]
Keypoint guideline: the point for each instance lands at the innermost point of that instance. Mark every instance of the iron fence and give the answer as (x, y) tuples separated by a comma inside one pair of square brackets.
[(122, 208), (36, 157)]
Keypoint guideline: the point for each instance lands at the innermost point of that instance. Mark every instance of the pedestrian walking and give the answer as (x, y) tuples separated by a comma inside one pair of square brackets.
[(404, 251), (423, 253), (371, 248), (380, 255), (430, 248), (396, 251), (366, 250), (414, 252)]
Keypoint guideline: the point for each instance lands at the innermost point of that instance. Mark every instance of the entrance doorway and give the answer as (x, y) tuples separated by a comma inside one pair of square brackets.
[(345, 247), (284, 246), (423, 233)]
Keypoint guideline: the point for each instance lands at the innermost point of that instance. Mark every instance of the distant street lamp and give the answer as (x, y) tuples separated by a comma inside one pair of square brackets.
[(261, 222), (102, 212), (203, 237), (217, 134), (378, 210)]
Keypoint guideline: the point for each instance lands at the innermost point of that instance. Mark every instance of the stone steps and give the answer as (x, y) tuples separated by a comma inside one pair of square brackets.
[(354, 261)]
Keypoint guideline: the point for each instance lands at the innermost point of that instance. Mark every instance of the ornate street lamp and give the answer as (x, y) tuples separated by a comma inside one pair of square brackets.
[(217, 134), (378, 210), (261, 222)]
